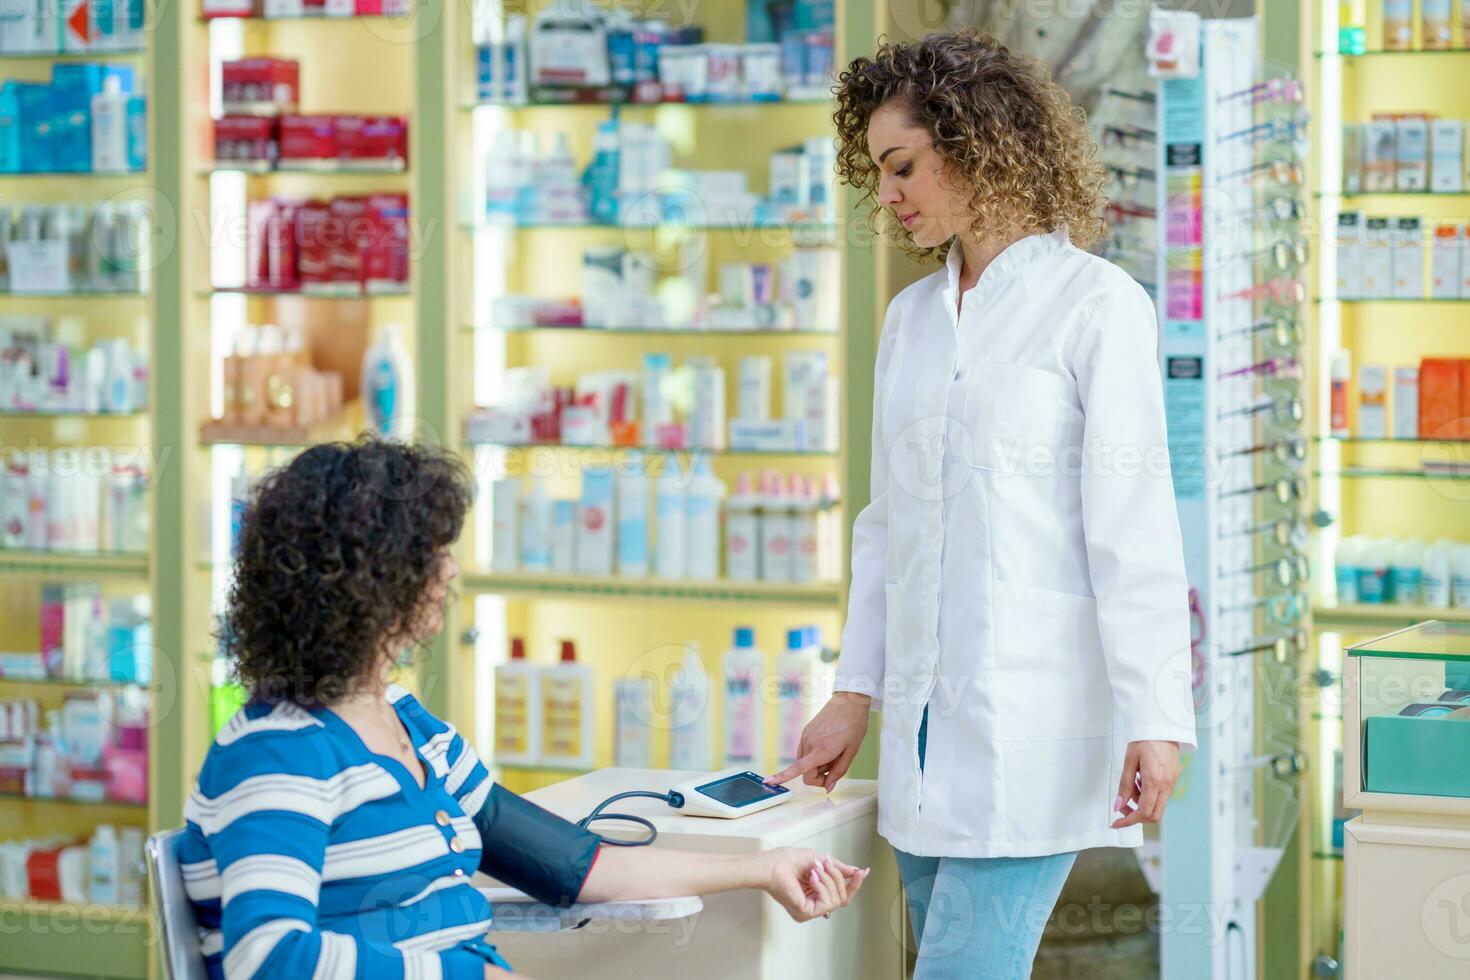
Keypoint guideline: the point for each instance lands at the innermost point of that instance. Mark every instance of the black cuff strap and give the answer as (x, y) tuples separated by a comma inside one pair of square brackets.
[(532, 849)]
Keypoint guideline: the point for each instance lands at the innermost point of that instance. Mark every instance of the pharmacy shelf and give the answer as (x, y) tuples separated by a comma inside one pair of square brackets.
[(68, 682), (1365, 441), (575, 329), (824, 229), (657, 450), (14, 413), (1389, 54), (590, 587), (1327, 855), (74, 567), (304, 294), (74, 174), (68, 801), (324, 169), (1416, 195), (1461, 472), (1368, 302), (77, 294), (303, 18), (595, 102), (82, 938), (73, 55), (1384, 615), (10, 908)]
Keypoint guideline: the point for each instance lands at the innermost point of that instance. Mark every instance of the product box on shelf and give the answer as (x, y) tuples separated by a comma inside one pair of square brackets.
[(1447, 156), (372, 140), (266, 86), (1446, 268), (246, 139), (1406, 403), (1411, 153), (1442, 401), (1352, 158), (314, 233), (1378, 258), (308, 139), (1350, 255), (1373, 401), (1379, 155), (384, 253), (352, 227), (1409, 258)]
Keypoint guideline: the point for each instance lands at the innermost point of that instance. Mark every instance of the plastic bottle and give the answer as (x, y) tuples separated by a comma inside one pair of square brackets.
[(536, 529), (514, 65), (702, 522), (568, 712), (1373, 571), (110, 127), (595, 516), (1460, 577), (634, 699), (117, 387), (805, 556), (1342, 372), (563, 536), (795, 693), (558, 192), (632, 509), (104, 867), (517, 709), (689, 721), (1438, 561), (743, 670), (1406, 573), (670, 509), (742, 532), (504, 170), (1345, 568), (657, 410), (775, 530), (387, 385), (505, 518), (601, 176), (48, 773)]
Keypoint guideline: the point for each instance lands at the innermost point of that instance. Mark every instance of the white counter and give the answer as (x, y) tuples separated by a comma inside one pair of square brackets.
[(737, 935)]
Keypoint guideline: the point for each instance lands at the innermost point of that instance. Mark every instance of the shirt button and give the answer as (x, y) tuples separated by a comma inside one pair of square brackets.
[(459, 872), (441, 818), (456, 846)]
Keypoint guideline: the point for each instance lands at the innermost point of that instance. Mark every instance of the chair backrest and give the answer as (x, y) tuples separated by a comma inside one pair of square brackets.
[(178, 929)]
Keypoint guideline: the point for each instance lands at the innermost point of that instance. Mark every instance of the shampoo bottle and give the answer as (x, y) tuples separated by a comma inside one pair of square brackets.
[(742, 532), (568, 712), (1406, 574), (743, 670), (805, 537), (1438, 559), (702, 522), (632, 510), (795, 693), (110, 128), (669, 513), (775, 524), (387, 385), (634, 697), (690, 715), (103, 864), (536, 529), (517, 709)]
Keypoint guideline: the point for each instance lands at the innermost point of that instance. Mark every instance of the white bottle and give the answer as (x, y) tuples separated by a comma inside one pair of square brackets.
[(505, 539), (536, 529), (754, 401), (1460, 577), (1438, 560), (517, 709), (670, 544), (387, 385), (117, 387), (595, 517), (632, 509), (742, 532), (702, 522), (15, 511), (38, 500), (504, 174), (1345, 569), (634, 698), (795, 693), (657, 411), (513, 67), (104, 867), (1406, 574), (1373, 570), (110, 128), (690, 715), (130, 857), (743, 672), (805, 541), (568, 712), (563, 536), (47, 772), (775, 530), (558, 189)]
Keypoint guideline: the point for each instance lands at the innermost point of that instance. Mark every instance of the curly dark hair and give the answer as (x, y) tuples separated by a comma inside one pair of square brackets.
[(336, 552), (997, 119)]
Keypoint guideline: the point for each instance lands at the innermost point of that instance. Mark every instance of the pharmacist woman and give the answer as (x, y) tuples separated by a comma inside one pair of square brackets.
[(1019, 608), (337, 822)]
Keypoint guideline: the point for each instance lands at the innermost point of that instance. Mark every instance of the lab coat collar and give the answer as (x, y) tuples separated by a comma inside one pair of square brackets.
[(1012, 258)]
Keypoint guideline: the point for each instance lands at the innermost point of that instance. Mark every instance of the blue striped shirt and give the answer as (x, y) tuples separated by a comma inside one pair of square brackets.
[(309, 855)]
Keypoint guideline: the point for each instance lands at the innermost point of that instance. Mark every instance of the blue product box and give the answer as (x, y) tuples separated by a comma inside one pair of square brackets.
[(37, 129), (137, 132), (1416, 755), (10, 128)]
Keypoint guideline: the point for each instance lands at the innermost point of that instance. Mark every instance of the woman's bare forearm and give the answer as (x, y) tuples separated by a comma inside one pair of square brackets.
[(627, 873)]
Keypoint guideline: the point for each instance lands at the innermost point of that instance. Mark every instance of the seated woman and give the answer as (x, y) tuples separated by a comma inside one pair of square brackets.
[(337, 822)]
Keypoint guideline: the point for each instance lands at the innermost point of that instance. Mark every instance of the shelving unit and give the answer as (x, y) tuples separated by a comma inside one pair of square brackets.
[(1370, 486)]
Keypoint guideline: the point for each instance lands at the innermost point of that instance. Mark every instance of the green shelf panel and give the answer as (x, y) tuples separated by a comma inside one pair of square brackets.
[(14, 799), (73, 565), (570, 586), (84, 940), (573, 330)]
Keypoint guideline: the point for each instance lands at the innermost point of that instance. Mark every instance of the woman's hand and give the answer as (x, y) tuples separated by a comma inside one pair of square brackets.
[(1150, 771), (809, 883), (829, 742)]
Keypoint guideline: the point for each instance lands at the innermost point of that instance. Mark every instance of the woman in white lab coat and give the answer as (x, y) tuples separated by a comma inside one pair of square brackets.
[(1019, 608)]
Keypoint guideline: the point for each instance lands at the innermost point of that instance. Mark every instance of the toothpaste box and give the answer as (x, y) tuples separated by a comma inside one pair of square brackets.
[(308, 139)]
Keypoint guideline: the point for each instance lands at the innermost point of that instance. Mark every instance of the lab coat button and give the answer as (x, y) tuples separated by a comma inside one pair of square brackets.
[(441, 818), (456, 846)]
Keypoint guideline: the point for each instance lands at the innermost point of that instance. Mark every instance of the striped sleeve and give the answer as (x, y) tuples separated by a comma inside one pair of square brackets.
[(453, 759), (265, 805)]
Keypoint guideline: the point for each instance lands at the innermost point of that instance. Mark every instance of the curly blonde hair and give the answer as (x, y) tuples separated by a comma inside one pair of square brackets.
[(998, 121)]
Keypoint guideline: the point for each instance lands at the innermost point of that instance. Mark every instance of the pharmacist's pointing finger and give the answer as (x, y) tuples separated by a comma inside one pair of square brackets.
[(807, 763)]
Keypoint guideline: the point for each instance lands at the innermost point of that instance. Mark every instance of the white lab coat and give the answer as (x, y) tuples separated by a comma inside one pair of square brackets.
[(1019, 567)]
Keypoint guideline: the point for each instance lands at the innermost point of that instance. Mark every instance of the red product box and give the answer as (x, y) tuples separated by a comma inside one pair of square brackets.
[(377, 140), (271, 245), (1442, 401), (246, 139), (261, 84), (351, 228), (308, 137), (385, 252), (316, 235)]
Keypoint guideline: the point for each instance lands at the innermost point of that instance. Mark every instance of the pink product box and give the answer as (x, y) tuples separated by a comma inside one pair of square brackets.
[(261, 82), (308, 137), (246, 138), (1186, 299), (127, 774), (373, 139), (385, 252)]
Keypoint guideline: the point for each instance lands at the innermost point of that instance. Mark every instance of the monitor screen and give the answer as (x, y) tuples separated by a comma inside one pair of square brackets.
[(742, 789)]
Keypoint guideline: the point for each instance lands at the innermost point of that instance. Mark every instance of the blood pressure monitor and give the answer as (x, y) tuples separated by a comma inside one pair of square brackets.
[(731, 793)]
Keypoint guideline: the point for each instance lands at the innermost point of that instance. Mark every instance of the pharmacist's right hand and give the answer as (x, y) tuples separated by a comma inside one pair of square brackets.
[(829, 742)]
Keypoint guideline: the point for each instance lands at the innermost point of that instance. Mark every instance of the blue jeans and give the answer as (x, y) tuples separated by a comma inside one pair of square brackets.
[(979, 918)]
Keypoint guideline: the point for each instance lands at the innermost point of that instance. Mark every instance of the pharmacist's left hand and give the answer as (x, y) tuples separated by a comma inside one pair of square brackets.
[(1150, 771)]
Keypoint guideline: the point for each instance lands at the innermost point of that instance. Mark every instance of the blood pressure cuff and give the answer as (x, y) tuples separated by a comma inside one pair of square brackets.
[(532, 849)]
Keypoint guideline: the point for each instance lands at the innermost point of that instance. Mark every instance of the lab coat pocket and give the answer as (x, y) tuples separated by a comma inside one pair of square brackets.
[(1048, 675), (1013, 417)]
